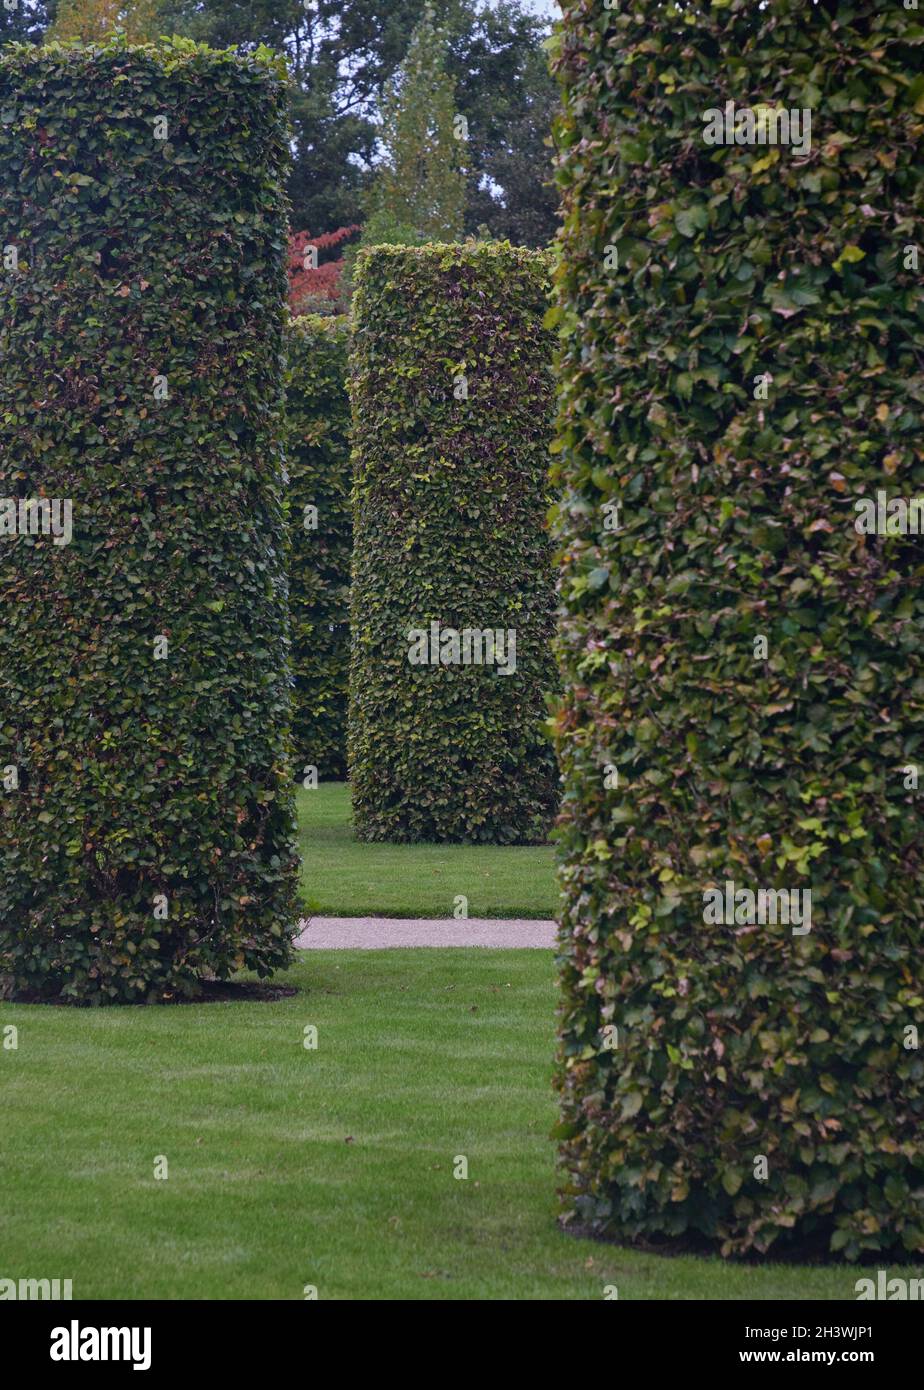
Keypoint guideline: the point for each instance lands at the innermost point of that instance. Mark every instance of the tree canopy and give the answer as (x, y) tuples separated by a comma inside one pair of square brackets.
[(421, 182), (342, 55)]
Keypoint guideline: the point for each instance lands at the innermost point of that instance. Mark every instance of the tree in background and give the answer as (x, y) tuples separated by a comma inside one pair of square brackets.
[(419, 191), (421, 184), (91, 21), (26, 22), (508, 95), (342, 54)]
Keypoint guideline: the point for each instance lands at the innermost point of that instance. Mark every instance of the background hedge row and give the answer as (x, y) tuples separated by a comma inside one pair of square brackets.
[(449, 527), (144, 781), (737, 521), (318, 460)]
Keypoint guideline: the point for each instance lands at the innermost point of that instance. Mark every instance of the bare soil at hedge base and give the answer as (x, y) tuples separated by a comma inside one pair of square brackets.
[(806, 1252), (210, 992)]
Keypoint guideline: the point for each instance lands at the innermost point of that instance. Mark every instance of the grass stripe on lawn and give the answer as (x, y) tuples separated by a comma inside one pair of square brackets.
[(332, 1167), (343, 877)]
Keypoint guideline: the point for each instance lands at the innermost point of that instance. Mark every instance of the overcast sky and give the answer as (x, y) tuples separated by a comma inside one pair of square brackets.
[(547, 9)]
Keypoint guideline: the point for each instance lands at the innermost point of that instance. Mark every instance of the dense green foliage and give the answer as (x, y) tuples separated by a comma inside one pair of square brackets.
[(146, 822), (451, 389), (736, 522), (321, 540)]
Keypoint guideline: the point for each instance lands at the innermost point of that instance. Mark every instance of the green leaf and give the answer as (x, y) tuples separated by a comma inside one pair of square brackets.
[(732, 1179)]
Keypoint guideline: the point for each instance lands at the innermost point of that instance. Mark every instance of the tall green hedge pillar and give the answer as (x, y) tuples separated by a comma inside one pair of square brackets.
[(742, 336), (453, 588), (146, 822), (320, 532)]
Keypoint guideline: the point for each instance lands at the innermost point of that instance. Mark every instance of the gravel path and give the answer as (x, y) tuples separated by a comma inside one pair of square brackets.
[(377, 933)]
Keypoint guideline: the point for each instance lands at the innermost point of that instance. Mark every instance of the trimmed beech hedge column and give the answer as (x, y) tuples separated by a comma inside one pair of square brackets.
[(742, 339), (146, 823), (321, 533), (452, 601)]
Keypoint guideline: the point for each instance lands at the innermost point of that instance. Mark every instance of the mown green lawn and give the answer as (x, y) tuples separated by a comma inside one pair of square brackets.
[(331, 1167), (341, 877)]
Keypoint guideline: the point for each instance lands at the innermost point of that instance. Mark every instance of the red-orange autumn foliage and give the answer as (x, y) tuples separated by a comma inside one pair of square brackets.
[(307, 284)]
